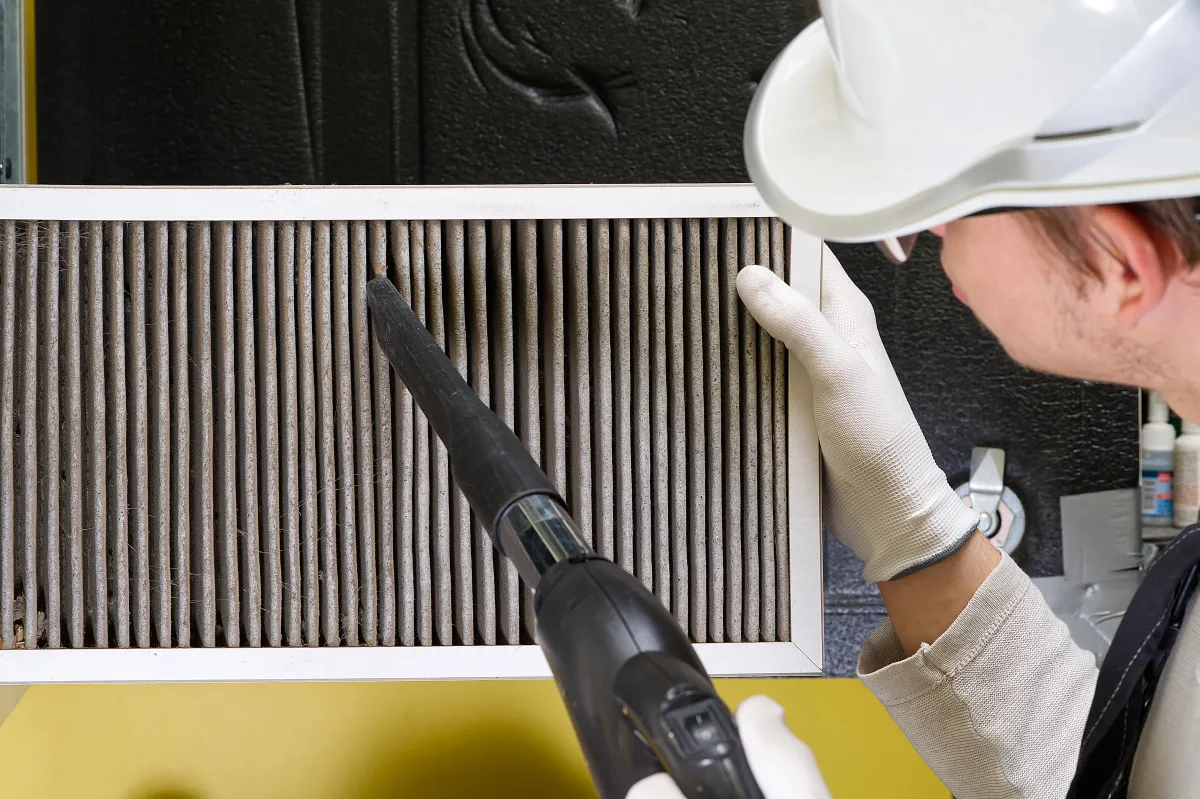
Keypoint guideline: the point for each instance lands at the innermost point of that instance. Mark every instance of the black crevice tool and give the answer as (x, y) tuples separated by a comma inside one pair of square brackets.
[(638, 696)]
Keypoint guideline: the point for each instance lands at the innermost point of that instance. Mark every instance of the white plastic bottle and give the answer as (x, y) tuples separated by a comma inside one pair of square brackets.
[(1158, 465), (1187, 475)]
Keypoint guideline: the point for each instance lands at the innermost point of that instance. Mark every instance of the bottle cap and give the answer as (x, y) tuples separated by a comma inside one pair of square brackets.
[(1190, 427), (1158, 437), (1159, 412)]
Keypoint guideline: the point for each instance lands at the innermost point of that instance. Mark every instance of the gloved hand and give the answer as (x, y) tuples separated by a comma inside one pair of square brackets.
[(884, 496), (782, 764)]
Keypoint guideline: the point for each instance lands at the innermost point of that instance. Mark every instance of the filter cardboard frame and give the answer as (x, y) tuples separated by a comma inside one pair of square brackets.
[(803, 655)]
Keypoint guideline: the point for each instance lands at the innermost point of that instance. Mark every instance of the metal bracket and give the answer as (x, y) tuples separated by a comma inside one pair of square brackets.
[(1001, 514)]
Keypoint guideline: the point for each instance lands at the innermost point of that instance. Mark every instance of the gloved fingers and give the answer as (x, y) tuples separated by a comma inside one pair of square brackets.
[(844, 304), (659, 786), (783, 765), (792, 318)]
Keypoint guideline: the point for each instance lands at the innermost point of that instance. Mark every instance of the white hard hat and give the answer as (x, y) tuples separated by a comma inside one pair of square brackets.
[(887, 117)]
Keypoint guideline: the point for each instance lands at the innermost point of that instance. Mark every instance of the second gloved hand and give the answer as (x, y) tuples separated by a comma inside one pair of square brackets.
[(884, 496)]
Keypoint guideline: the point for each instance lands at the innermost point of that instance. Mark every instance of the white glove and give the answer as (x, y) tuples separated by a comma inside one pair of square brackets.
[(884, 496), (783, 765)]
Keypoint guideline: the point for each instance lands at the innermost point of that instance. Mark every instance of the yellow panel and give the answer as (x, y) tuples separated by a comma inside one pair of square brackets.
[(382, 741)]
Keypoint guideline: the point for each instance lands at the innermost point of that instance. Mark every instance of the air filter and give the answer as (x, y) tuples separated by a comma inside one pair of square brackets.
[(209, 472)]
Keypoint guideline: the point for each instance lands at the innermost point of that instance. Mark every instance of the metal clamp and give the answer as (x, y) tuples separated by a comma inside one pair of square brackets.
[(1001, 514)]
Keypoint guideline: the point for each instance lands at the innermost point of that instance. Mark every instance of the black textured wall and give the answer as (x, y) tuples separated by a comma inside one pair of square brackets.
[(474, 91)]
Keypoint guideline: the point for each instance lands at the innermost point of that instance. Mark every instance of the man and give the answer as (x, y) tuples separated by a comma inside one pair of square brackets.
[(1055, 149)]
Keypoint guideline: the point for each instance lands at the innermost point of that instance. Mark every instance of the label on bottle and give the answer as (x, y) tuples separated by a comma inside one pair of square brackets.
[(1187, 489), (1157, 496)]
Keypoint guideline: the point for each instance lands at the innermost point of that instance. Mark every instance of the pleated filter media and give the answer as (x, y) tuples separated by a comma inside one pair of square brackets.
[(209, 471)]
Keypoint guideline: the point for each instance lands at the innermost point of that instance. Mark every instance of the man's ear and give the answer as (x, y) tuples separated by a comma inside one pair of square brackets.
[(1136, 262)]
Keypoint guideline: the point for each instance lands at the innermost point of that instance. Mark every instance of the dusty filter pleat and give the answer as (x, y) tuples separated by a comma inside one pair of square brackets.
[(732, 415), (714, 378), (479, 369), (662, 495), (644, 454), (118, 477), (439, 468), (326, 493), (27, 404), (697, 519), (364, 457), (225, 432), (289, 454), (750, 506), (579, 379), (530, 369), (203, 564), (344, 433), (180, 441), (246, 496), (8, 313), (384, 458), (766, 460), (623, 443), (422, 495), (138, 392), (49, 480), (502, 376), (317, 616), (602, 398), (460, 511), (72, 443), (267, 393), (783, 594), (402, 421), (158, 446), (677, 409)]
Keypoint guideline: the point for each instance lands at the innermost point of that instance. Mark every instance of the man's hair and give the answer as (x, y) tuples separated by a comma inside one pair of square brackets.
[(1067, 229)]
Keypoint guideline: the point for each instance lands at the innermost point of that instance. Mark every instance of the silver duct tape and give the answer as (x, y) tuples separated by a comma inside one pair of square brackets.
[(659, 432), (49, 425), (732, 417), (422, 490), (503, 379), (318, 616), (750, 505), (8, 547), (714, 378), (531, 376), (644, 460), (577, 318), (780, 252), (348, 585), (158, 414), (766, 450), (204, 583), (600, 252), (179, 443), (479, 375), (27, 402), (225, 433), (620, 310), (294, 614), (324, 436), (247, 498), (402, 427), (364, 457), (439, 470), (72, 441), (267, 357), (677, 408), (384, 456), (697, 434), (115, 399), (137, 380)]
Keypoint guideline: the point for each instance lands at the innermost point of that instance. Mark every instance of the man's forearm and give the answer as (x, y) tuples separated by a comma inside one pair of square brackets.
[(924, 604)]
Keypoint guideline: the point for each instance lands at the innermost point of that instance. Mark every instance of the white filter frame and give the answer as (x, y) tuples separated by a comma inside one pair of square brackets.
[(803, 655)]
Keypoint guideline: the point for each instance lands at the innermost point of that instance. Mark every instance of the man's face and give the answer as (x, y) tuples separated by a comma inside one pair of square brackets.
[(1041, 310)]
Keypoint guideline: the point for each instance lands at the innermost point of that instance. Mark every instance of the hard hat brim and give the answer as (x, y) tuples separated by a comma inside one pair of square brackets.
[(811, 168)]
